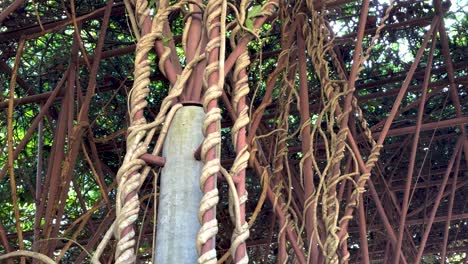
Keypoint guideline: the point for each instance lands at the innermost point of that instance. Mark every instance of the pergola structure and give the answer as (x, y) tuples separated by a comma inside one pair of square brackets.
[(335, 131)]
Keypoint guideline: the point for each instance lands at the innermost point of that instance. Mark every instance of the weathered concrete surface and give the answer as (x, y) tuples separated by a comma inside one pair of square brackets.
[(180, 194)]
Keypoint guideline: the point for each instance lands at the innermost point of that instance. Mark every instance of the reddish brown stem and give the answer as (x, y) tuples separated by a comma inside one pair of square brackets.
[(309, 187), (241, 143), (137, 118), (363, 233), (154, 160)]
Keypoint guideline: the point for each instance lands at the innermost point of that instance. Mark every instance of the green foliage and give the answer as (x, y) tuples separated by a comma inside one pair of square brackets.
[(251, 14)]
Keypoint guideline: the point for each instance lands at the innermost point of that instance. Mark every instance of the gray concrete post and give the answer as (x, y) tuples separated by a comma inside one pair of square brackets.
[(180, 193)]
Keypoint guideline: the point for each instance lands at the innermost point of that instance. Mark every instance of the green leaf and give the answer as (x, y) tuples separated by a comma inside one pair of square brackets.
[(152, 3), (249, 24), (166, 40), (254, 11)]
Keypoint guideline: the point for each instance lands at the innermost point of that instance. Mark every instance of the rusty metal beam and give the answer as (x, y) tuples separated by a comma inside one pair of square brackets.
[(36, 30), (425, 127), (421, 22)]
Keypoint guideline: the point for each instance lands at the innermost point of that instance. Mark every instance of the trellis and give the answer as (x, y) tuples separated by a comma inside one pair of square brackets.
[(314, 198)]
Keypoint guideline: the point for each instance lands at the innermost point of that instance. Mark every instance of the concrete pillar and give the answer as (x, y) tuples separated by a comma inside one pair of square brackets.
[(180, 193)]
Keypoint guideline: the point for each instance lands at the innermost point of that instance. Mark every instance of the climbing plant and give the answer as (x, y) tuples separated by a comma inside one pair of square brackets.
[(317, 148)]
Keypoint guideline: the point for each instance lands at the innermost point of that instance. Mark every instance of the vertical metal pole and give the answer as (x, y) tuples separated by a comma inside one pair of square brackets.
[(180, 194)]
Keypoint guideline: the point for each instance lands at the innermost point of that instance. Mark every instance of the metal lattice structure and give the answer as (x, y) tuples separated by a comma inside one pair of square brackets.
[(335, 131)]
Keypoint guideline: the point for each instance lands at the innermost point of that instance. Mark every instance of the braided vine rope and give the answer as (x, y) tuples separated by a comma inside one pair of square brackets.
[(332, 90), (140, 133), (317, 36), (213, 81), (241, 90), (134, 170)]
